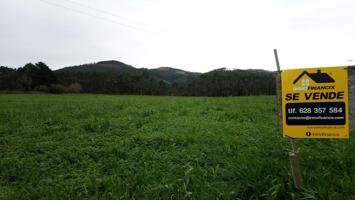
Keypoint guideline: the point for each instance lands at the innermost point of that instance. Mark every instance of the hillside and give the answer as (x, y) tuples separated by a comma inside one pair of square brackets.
[(173, 75), (223, 82), (114, 77), (166, 74), (110, 66)]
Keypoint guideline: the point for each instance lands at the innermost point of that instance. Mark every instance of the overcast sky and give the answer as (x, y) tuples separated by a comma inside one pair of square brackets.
[(194, 35)]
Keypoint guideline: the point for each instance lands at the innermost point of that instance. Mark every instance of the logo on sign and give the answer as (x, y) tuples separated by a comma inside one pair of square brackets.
[(318, 77)]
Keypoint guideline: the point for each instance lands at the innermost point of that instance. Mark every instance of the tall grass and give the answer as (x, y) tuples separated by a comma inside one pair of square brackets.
[(141, 147)]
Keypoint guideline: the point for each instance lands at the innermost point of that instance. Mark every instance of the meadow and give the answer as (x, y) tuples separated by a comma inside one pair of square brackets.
[(146, 147)]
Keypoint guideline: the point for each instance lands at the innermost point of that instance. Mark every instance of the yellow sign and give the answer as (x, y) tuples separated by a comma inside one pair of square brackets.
[(315, 103)]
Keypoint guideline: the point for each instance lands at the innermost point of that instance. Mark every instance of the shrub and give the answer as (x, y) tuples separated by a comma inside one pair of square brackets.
[(41, 88), (57, 89), (74, 88)]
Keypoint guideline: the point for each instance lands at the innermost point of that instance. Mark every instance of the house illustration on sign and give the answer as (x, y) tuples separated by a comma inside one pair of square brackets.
[(318, 77)]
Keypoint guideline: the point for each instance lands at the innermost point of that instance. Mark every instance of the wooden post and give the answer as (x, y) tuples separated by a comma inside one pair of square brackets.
[(295, 165), (278, 93), (351, 83)]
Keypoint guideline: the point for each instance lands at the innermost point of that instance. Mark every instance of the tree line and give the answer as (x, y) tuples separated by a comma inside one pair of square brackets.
[(34, 77), (221, 82)]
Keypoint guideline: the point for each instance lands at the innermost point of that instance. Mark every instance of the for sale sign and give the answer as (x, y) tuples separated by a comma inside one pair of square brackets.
[(315, 103)]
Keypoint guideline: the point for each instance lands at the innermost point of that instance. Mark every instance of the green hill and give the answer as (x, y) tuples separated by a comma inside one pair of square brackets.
[(166, 74), (110, 66), (114, 77), (173, 75)]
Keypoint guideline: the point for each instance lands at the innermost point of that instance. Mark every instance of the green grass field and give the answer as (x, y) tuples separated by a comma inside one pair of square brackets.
[(141, 147)]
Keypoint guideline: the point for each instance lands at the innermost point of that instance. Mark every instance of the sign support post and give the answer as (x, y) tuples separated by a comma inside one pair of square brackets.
[(295, 165), (278, 93)]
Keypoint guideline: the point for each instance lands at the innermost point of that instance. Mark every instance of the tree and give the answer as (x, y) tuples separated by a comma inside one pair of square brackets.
[(41, 74), (32, 75), (8, 79)]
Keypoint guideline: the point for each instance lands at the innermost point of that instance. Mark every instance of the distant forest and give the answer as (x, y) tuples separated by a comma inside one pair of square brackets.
[(113, 77)]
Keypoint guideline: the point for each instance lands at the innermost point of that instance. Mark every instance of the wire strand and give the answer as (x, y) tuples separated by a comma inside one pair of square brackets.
[(106, 12), (109, 20)]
